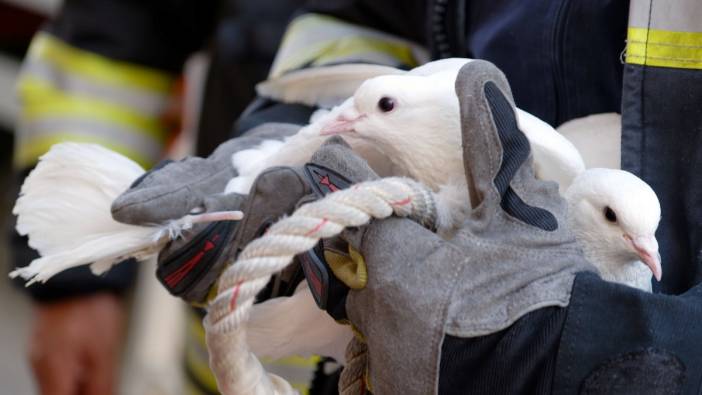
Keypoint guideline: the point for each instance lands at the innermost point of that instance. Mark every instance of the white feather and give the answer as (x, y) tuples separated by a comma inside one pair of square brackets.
[(64, 209), (452, 205), (251, 162), (555, 158), (318, 114), (452, 65), (294, 325), (597, 137)]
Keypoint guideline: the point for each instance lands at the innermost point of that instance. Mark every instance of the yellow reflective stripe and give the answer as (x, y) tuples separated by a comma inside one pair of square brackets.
[(662, 48), (149, 103), (42, 100), (97, 67), (27, 152), (346, 47)]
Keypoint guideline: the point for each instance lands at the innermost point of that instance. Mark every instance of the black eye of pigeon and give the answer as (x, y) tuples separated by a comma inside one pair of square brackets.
[(610, 214), (386, 104)]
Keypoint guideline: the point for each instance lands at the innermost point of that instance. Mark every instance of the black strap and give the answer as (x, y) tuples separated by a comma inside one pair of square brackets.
[(329, 293), (515, 151)]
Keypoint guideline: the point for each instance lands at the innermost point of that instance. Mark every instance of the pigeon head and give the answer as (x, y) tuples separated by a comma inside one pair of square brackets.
[(412, 119), (615, 216)]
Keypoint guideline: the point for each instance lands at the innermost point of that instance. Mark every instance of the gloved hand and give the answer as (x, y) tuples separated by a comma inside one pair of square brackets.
[(509, 305), (514, 255), (189, 265)]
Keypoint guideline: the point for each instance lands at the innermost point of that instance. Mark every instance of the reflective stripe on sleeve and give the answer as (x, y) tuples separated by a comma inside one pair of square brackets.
[(665, 34), (67, 94), (673, 16), (318, 40), (147, 102), (97, 68), (682, 50)]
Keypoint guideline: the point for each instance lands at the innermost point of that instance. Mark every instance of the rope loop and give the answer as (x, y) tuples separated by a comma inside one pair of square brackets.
[(236, 368)]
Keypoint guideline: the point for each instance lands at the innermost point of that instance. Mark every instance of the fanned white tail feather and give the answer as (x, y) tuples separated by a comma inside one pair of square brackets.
[(64, 208)]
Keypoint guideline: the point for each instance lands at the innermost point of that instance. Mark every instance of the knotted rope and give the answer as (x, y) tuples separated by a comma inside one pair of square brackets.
[(352, 380), (236, 368)]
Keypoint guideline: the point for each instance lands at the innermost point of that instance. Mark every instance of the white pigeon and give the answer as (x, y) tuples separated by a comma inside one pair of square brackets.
[(598, 138), (614, 216)]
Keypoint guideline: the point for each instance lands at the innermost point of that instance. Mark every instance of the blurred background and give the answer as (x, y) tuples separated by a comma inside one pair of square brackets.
[(159, 356), (152, 363), (19, 20)]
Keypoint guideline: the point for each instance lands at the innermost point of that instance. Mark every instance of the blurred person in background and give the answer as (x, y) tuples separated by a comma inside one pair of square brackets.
[(106, 72)]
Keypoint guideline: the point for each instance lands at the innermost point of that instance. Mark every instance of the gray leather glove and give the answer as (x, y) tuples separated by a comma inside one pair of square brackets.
[(189, 266), (514, 255), (173, 189), (509, 305)]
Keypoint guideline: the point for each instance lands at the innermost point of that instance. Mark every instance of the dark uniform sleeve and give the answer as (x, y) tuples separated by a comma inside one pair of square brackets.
[(150, 33), (662, 127)]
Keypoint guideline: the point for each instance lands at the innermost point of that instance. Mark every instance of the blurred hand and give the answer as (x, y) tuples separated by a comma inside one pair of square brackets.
[(74, 345)]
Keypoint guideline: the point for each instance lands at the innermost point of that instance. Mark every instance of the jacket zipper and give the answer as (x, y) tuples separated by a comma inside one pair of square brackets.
[(439, 32), (558, 52)]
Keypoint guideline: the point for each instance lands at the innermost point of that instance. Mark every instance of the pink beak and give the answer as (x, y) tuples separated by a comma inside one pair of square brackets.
[(344, 123), (646, 248)]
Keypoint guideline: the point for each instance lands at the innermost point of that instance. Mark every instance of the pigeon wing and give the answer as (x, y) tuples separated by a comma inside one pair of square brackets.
[(555, 158), (598, 138)]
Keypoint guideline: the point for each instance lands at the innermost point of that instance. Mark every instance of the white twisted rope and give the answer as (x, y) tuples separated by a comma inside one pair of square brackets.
[(236, 368)]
